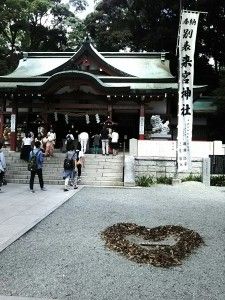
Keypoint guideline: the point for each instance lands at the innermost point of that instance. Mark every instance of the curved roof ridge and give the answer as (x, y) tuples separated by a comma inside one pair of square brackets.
[(79, 74)]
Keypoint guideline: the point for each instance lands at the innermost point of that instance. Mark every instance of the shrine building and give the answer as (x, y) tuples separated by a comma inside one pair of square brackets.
[(81, 90)]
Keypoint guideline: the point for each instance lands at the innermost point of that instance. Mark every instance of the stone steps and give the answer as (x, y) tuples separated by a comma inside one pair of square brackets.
[(99, 170)]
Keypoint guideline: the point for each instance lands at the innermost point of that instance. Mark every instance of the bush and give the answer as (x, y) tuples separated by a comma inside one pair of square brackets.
[(145, 180), (218, 180), (164, 180), (192, 177)]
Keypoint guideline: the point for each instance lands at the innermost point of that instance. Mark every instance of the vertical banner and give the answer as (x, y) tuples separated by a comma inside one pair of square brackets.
[(13, 123), (188, 32)]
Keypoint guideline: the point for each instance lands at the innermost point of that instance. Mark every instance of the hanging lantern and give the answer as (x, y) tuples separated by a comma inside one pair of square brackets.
[(97, 118), (56, 116), (87, 119), (66, 119)]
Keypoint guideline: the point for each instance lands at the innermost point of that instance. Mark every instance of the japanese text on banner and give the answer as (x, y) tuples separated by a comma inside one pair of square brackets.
[(188, 31)]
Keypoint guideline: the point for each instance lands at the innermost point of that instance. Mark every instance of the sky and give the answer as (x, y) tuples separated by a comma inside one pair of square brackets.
[(89, 9)]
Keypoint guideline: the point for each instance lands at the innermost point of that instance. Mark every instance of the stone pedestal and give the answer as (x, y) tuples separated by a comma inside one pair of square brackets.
[(160, 136), (206, 171), (129, 171)]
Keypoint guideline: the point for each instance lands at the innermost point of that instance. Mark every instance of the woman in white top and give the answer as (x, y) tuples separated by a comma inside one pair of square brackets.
[(26, 147), (51, 138), (114, 142)]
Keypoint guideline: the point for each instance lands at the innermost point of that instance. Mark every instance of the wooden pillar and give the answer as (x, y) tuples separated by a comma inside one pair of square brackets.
[(44, 116), (13, 134), (142, 122), (109, 107)]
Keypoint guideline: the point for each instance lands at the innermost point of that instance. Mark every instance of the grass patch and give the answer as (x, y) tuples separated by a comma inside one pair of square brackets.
[(164, 180), (145, 181), (192, 177)]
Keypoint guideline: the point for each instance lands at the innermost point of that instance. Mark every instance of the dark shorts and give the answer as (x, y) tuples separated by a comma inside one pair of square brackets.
[(115, 145)]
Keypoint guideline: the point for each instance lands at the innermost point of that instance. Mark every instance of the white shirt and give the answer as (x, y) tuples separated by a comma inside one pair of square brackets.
[(115, 137), (27, 141), (83, 136), (51, 136)]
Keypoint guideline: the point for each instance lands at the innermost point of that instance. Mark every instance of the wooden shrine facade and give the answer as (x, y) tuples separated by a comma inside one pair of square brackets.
[(82, 89)]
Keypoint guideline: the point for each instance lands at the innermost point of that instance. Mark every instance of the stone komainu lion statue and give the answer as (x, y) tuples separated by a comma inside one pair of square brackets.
[(158, 126)]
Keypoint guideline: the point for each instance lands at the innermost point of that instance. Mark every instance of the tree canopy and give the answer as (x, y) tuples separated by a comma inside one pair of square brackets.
[(37, 25), (142, 25), (134, 25)]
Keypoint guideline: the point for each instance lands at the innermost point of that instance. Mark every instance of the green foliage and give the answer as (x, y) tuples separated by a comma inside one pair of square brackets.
[(164, 180), (145, 181), (150, 180), (217, 180), (191, 177), (37, 25), (141, 25)]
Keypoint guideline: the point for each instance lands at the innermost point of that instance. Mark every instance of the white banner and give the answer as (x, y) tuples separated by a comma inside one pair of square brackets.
[(142, 125), (188, 32), (13, 123)]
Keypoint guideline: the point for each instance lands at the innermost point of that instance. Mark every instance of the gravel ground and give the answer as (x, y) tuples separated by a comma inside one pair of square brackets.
[(64, 257)]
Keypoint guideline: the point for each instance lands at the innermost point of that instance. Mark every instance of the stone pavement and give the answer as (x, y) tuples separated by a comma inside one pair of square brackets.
[(19, 298), (20, 210), (71, 261)]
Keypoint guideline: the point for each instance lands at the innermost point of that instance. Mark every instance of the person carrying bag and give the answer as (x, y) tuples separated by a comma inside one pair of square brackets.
[(69, 172)]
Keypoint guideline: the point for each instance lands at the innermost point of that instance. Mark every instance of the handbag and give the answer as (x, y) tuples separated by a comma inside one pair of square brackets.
[(78, 162)]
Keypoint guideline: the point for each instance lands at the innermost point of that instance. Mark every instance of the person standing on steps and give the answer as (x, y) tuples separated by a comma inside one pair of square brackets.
[(26, 146), (83, 139), (2, 165), (40, 139), (39, 161), (96, 142), (69, 172), (51, 139), (114, 142), (105, 140), (79, 161), (69, 140)]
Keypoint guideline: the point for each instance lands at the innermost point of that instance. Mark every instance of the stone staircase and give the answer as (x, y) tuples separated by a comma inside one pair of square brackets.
[(98, 170)]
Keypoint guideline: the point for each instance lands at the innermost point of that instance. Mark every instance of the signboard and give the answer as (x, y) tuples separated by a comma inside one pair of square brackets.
[(142, 125), (13, 122), (188, 32)]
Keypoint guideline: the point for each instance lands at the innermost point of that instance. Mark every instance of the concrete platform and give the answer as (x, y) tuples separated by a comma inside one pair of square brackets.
[(20, 209)]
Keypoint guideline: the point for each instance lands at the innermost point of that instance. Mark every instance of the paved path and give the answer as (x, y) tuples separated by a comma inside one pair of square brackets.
[(64, 257), (20, 210)]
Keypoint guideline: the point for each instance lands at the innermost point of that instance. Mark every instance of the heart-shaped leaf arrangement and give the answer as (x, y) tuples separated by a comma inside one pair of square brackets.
[(159, 255)]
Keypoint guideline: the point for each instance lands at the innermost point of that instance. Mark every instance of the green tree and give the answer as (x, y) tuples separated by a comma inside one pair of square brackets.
[(36, 25), (152, 25)]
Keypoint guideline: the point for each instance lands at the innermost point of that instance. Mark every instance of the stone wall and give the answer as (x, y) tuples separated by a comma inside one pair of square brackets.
[(163, 148), (157, 167)]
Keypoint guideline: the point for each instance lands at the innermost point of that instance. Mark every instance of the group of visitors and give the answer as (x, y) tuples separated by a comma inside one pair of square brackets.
[(37, 148), (107, 139), (73, 163), (46, 144)]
